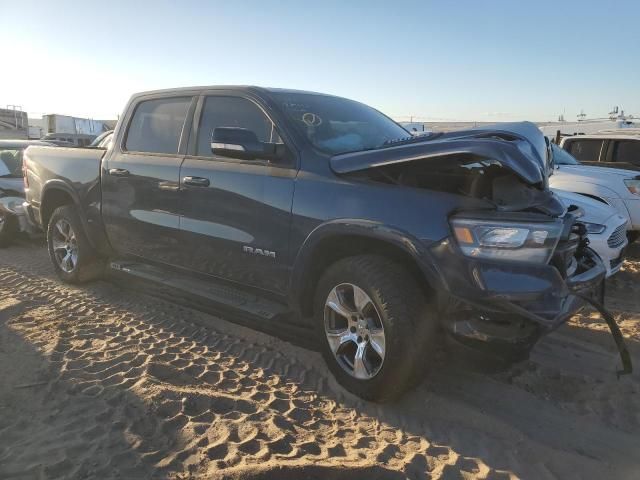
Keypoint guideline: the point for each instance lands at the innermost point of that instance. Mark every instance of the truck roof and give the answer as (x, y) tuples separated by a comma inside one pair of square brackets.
[(241, 88), (606, 135)]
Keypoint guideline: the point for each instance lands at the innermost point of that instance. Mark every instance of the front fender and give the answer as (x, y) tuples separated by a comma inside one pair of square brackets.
[(417, 249)]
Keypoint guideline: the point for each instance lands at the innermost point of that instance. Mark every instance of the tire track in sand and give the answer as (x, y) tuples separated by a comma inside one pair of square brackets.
[(138, 390), (135, 387)]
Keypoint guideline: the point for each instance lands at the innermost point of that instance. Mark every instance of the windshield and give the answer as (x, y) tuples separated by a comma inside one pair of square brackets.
[(11, 162), (337, 125), (562, 157)]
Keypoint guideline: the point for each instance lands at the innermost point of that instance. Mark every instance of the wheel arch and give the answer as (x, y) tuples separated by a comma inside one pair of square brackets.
[(55, 194), (339, 239)]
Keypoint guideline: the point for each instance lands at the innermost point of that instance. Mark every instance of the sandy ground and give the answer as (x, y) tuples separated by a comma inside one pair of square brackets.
[(104, 382)]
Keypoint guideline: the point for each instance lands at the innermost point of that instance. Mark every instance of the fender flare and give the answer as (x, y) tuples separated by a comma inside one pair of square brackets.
[(58, 184), (415, 248)]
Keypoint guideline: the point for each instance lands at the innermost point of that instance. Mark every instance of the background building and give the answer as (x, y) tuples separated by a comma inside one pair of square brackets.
[(14, 123)]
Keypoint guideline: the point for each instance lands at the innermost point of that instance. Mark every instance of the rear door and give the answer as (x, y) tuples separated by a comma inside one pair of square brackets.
[(141, 179), (626, 151), (236, 213), (584, 149)]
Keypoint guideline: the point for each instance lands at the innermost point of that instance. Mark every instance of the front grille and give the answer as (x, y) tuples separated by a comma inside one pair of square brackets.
[(564, 254), (618, 236), (615, 262)]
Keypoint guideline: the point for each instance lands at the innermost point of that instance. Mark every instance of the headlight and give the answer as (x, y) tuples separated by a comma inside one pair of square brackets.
[(505, 240), (594, 228), (633, 185)]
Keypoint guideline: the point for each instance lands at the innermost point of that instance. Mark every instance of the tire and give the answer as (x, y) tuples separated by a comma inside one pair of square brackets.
[(77, 262), (8, 229), (398, 310)]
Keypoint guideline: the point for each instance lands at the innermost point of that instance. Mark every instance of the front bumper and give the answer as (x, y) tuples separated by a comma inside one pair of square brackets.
[(610, 244), (504, 308), (17, 207)]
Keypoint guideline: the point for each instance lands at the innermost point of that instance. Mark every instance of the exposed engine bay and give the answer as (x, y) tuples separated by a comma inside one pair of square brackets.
[(471, 176)]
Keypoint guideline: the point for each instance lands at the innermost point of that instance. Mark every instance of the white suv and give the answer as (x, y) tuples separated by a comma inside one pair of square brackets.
[(616, 187)]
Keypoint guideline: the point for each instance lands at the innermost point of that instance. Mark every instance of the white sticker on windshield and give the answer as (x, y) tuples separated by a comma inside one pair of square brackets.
[(311, 119)]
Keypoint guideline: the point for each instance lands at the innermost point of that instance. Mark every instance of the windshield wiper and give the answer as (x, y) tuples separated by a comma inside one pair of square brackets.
[(410, 139)]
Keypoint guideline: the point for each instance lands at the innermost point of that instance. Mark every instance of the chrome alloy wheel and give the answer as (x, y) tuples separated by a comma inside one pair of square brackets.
[(65, 246), (3, 222), (354, 331)]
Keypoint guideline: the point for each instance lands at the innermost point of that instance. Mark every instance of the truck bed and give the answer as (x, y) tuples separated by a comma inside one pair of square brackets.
[(74, 170)]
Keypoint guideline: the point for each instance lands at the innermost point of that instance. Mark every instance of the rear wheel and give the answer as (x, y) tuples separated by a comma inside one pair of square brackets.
[(73, 258), (375, 325), (8, 228)]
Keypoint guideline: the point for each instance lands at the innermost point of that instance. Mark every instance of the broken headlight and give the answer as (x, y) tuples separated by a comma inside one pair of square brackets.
[(509, 241)]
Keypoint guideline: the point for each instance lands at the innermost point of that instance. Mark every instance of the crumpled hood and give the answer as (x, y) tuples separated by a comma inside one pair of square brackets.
[(519, 147)]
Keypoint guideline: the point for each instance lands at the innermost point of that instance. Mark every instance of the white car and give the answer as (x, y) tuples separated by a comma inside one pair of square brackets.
[(606, 228), (612, 186)]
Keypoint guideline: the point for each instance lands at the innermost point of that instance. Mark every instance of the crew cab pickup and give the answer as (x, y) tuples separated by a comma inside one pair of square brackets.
[(313, 210)]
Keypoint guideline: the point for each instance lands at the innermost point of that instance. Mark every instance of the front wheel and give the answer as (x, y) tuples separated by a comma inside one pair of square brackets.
[(73, 258), (376, 327)]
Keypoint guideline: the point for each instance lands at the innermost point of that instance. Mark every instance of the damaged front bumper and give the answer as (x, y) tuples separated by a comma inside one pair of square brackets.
[(17, 207), (504, 308)]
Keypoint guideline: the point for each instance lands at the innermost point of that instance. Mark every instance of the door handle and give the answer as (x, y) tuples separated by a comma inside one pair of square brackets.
[(118, 172), (196, 181)]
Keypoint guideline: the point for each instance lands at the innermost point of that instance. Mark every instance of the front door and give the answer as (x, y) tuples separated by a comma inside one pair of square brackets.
[(141, 181), (236, 213)]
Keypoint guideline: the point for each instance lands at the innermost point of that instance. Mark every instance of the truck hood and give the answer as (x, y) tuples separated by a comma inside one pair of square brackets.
[(10, 187), (519, 147), (594, 211), (599, 172)]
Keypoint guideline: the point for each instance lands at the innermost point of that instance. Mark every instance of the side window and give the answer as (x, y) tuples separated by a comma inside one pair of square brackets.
[(587, 150), (156, 125), (232, 112), (627, 151)]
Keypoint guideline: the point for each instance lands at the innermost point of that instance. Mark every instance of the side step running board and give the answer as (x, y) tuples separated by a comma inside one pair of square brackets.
[(218, 297)]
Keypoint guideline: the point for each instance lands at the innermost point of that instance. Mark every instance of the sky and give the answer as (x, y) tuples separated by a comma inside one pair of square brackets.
[(435, 61)]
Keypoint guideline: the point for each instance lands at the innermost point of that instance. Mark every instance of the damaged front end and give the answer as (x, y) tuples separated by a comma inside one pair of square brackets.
[(518, 265), (512, 278)]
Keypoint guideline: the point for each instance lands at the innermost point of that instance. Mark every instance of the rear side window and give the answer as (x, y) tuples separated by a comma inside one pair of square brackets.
[(232, 112), (627, 151), (587, 150), (156, 125)]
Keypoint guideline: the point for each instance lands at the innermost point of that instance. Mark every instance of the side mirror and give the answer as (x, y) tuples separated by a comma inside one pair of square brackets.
[(241, 143)]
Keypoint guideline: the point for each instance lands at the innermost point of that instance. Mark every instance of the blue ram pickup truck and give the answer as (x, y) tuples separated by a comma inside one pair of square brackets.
[(300, 209)]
